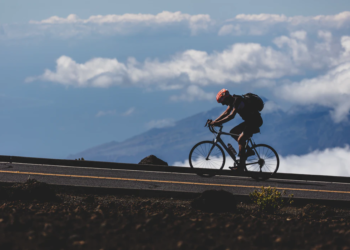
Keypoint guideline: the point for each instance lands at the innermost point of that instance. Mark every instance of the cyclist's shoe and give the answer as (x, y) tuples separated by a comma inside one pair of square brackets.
[(237, 167)]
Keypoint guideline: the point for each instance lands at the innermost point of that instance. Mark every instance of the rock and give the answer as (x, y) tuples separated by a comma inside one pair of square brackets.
[(33, 190), (215, 201), (153, 160)]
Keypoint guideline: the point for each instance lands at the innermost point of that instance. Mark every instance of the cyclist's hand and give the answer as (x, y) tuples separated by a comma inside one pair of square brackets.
[(213, 123), (208, 122)]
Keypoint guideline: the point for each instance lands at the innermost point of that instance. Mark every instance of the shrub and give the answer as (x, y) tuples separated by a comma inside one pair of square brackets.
[(270, 199)]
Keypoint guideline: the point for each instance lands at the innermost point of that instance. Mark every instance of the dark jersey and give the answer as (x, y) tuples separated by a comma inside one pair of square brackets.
[(247, 113)]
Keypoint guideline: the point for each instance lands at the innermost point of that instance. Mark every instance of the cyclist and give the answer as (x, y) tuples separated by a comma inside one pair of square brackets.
[(251, 125)]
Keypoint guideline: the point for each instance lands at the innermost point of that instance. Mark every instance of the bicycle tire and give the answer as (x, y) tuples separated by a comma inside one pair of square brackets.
[(262, 170), (201, 149)]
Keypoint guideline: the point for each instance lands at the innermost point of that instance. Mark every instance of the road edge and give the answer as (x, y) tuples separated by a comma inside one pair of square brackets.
[(150, 193)]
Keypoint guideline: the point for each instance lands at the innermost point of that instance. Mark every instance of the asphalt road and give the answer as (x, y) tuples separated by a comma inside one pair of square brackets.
[(150, 180)]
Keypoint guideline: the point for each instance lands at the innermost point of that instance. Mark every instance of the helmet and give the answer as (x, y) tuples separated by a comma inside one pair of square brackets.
[(221, 96)]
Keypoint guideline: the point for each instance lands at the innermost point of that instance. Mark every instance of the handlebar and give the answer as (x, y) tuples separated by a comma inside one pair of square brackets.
[(211, 128)]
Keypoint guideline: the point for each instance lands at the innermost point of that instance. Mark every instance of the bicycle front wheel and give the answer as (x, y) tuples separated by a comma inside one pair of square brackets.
[(264, 163), (208, 158)]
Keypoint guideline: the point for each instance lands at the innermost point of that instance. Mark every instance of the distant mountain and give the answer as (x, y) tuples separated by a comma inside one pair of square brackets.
[(288, 132)]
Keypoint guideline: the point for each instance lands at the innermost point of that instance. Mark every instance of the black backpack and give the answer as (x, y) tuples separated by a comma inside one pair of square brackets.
[(254, 101)]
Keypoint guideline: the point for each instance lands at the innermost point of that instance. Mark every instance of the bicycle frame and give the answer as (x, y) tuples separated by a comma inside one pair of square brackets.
[(219, 140)]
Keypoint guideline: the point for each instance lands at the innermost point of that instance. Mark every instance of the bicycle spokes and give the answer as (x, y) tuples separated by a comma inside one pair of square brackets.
[(265, 161), (207, 158), (207, 155)]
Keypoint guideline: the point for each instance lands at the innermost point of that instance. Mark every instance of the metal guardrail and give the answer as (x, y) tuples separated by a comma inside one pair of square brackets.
[(171, 169)]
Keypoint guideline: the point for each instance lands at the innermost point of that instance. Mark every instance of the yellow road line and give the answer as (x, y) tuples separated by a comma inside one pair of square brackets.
[(162, 181)]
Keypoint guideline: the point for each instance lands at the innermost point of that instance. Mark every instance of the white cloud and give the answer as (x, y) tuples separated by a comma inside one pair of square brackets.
[(270, 106), (345, 42), (263, 24), (334, 161), (129, 23), (160, 123), (105, 113), (312, 54), (326, 35), (261, 17), (113, 112), (300, 34), (329, 90), (193, 93), (160, 18), (229, 29), (124, 24), (98, 72), (239, 63), (129, 112), (295, 54), (109, 25)]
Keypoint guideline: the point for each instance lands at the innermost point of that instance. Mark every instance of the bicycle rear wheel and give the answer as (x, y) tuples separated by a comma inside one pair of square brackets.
[(208, 158), (264, 163)]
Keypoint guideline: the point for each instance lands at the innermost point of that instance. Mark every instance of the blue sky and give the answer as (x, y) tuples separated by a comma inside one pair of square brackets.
[(23, 11), (70, 83)]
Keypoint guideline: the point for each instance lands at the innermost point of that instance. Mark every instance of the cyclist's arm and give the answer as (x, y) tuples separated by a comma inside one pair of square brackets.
[(226, 113), (231, 113)]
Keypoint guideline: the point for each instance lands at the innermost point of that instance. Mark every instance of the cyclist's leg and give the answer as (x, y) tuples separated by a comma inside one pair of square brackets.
[(241, 137), (252, 127), (238, 130), (242, 140)]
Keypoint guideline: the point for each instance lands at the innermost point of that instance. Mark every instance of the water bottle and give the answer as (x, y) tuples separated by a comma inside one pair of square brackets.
[(231, 149)]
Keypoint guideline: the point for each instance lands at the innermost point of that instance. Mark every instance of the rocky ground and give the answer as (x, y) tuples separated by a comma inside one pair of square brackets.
[(35, 216)]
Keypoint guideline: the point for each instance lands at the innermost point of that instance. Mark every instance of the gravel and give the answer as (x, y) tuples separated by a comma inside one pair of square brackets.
[(89, 221)]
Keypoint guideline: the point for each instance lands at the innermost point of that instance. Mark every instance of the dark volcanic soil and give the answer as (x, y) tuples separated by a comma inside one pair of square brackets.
[(85, 221)]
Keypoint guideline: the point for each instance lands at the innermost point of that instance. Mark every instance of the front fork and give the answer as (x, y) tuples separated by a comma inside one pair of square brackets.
[(215, 142)]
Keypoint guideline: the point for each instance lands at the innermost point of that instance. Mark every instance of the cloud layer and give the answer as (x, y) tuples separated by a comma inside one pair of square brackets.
[(239, 63), (316, 46), (330, 90), (120, 22), (250, 63), (263, 24), (129, 23), (108, 25), (334, 161)]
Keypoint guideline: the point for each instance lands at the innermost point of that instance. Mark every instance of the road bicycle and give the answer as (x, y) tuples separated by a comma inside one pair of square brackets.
[(209, 158)]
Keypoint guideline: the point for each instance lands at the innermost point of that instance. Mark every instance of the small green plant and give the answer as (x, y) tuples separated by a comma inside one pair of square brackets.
[(270, 199)]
